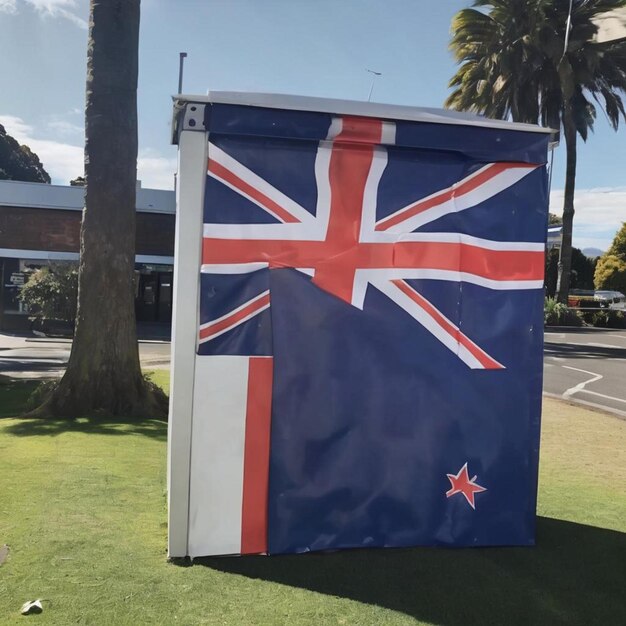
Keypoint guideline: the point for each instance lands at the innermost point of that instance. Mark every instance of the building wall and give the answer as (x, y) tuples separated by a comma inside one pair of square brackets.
[(40, 225), (23, 228)]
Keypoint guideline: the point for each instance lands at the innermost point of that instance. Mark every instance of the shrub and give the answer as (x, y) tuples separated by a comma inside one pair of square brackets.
[(553, 311), (605, 319), (557, 313), (50, 292)]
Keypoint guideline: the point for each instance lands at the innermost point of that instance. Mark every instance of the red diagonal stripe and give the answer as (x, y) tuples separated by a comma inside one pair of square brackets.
[(225, 174), (470, 185), (235, 318), (482, 357)]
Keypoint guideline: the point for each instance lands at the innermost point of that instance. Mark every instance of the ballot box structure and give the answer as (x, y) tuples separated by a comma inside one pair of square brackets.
[(358, 326)]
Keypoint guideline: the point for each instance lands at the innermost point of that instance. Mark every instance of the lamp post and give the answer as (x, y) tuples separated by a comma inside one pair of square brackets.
[(374, 75), (181, 61)]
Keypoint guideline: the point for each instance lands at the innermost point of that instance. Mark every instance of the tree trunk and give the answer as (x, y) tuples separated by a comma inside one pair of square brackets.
[(103, 374), (565, 258)]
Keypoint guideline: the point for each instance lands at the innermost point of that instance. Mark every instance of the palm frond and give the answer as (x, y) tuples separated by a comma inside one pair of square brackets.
[(513, 62)]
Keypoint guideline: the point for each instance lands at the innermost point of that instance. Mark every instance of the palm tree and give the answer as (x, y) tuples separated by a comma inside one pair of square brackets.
[(520, 61), (103, 373)]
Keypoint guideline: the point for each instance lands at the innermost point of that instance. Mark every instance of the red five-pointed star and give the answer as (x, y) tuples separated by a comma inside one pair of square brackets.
[(461, 483)]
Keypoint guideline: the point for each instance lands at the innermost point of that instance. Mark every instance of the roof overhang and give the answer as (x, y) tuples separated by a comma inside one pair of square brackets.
[(345, 107)]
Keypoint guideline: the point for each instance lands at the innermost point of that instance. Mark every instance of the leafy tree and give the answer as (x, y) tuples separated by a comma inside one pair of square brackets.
[(553, 219), (611, 268), (618, 247), (19, 162), (50, 292), (515, 64), (103, 372), (79, 181), (582, 271)]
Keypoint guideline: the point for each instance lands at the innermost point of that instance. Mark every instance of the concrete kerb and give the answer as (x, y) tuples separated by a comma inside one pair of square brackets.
[(598, 408)]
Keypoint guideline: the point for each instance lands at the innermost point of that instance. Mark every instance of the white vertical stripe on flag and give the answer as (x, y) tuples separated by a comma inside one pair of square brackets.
[(217, 455)]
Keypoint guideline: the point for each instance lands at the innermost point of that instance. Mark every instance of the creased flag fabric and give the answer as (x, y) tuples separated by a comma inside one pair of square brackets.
[(369, 350)]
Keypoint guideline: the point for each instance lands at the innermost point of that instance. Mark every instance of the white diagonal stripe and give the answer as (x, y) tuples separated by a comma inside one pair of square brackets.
[(431, 325), (483, 192), (234, 311), (241, 171), (365, 276), (235, 324)]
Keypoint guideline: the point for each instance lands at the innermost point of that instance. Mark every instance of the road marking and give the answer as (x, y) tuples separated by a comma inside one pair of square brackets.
[(560, 335), (602, 345), (548, 364), (580, 386), (601, 395), (556, 358)]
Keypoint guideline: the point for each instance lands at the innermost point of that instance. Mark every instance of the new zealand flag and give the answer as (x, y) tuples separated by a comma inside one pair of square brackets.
[(369, 362)]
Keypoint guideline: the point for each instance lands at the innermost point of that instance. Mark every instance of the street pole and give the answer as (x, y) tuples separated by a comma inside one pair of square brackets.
[(374, 75), (181, 59)]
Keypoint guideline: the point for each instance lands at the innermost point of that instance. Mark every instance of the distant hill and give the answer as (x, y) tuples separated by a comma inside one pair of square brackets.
[(19, 162), (592, 253)]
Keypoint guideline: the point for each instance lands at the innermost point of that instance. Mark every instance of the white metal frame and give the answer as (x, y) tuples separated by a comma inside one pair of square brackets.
[(192, 160)]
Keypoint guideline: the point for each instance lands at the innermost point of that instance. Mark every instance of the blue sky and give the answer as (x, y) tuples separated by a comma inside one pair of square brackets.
[(310, 47)]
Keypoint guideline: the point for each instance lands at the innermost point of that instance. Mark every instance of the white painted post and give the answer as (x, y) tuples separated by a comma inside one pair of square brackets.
[(192, 169)]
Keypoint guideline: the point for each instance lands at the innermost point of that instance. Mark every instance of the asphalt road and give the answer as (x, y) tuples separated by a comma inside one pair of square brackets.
[(587, 365), (40, 358)]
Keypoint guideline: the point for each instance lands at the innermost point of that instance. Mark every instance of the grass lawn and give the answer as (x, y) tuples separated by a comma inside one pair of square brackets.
[(83, 509)]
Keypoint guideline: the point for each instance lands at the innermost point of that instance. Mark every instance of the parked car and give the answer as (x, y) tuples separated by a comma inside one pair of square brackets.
[(583, 299), (611, 299)]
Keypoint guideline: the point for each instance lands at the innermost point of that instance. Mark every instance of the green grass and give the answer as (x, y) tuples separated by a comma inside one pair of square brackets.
[(83, 509)]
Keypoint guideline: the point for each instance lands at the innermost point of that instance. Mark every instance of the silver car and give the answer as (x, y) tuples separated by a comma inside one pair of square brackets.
[(611, 299)]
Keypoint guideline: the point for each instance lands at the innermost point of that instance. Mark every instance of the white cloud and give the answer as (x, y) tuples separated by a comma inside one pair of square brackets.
[(65, 128), (65, 161), (16, 126), (155, 171), (64, 9), (599, 213), (8, 6)]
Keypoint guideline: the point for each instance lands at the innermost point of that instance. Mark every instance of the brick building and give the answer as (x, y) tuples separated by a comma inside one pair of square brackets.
[(40, 224)]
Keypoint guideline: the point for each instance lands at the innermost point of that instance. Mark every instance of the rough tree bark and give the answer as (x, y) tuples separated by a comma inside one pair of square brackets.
[(103, 374), (565, 257)]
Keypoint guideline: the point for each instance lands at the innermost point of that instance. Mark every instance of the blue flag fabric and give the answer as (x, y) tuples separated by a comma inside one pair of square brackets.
[(390, 274)]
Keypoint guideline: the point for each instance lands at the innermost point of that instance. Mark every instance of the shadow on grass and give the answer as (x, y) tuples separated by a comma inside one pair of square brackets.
[(14, 396), (575, 575), (28, 427)]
